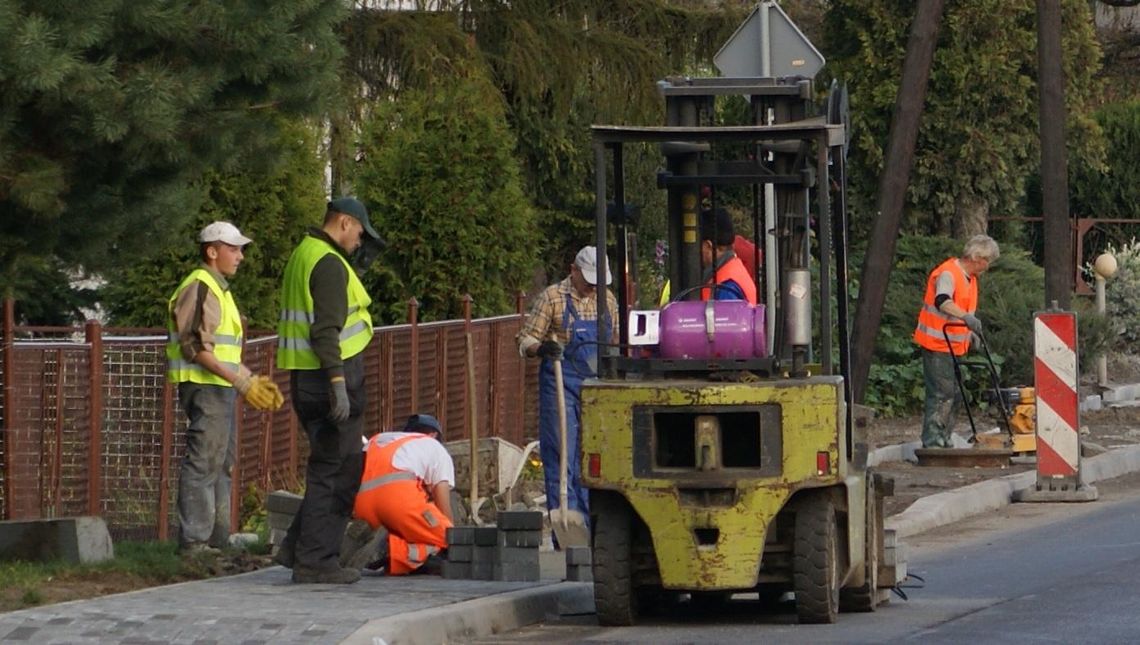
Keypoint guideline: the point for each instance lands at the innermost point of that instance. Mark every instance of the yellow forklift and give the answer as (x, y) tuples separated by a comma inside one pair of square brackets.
[(717, 441)]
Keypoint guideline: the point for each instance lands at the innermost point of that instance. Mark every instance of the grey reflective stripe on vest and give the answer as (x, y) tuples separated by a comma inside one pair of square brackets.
[(930, 309), (181, 364), (292, 343), (349, 332), (414, 553), (351, 310), (399, 475), (294, 315), (937, 333)]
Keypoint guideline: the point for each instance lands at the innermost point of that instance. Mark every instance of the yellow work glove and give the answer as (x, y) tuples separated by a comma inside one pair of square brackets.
[(263, 394)]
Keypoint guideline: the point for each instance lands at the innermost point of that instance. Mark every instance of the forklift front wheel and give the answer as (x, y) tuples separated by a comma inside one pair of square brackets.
[(815, 562)]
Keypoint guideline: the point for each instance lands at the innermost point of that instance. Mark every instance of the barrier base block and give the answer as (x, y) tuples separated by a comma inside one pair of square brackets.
[(1039, 493)]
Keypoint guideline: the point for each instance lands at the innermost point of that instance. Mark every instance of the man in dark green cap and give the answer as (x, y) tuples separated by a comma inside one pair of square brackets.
[(322, 333)]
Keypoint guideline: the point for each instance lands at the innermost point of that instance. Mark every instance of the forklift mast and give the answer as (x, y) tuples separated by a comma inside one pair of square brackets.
[(785, 145)]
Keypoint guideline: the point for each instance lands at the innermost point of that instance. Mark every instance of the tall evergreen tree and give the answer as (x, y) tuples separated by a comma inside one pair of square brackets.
[(111, 110), (447, 195), (273, 205), (559, 65)]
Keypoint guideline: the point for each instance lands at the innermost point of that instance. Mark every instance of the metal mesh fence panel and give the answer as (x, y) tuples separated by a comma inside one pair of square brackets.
[(48, 406), (142, 437)]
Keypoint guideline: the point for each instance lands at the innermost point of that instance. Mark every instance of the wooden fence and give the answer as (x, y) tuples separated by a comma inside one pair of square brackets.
[(90, 425)]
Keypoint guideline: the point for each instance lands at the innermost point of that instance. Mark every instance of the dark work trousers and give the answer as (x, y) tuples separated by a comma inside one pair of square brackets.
[(943, 398), (336, 462), (204, 480)]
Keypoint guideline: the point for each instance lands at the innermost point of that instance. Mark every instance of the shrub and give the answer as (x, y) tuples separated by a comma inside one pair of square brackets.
[(1121, 305), (447, 195)]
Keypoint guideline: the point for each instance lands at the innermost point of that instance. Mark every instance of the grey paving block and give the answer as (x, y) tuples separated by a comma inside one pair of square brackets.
[(282, 501), (279, 521), (577, 555), (461, 535), (532, 539), (482, 571), (516, 573), (484, 554), (580, 573), (456, 570), (522, 556), (519, 520), (486, 535), (276, 536), (74, 539), (460, 553)]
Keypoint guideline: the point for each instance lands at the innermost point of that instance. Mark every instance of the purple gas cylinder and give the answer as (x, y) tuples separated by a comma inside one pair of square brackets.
[(712, 329)]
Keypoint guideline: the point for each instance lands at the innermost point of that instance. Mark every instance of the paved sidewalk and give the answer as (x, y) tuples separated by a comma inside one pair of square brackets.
[(258, 607), (265, 607)]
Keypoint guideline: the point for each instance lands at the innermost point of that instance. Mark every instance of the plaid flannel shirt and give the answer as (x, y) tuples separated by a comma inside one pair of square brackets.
[(545, 317)]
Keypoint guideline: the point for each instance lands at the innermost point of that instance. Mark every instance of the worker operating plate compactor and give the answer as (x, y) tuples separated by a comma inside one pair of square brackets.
[(717, 441), (1015, 408)]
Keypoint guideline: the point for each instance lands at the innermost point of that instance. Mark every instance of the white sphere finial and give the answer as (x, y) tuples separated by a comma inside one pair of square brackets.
[(1105, 265)]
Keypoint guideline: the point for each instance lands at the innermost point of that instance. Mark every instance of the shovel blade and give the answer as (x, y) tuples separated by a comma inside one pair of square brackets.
[(569, 527)]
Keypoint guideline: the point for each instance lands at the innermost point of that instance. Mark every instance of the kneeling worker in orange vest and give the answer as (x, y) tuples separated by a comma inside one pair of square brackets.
[(406, 489)]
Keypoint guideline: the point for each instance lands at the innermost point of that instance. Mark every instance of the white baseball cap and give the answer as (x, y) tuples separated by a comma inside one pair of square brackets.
[(587, 262), (223, 232)]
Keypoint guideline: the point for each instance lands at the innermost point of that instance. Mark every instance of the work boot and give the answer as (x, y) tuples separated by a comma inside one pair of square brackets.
[(373, 554), (335, 576)]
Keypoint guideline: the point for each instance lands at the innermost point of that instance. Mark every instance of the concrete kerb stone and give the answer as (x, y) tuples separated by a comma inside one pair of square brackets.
[(478, 618), (945, 508)]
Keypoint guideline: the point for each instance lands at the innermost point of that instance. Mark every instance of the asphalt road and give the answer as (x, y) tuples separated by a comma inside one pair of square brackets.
[(1052, 573)]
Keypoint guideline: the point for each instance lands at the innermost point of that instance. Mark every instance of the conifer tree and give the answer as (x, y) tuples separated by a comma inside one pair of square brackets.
[(111, 110)]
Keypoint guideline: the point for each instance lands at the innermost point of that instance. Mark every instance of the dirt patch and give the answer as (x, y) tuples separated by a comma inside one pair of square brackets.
[(92, 582), (1108, 428)]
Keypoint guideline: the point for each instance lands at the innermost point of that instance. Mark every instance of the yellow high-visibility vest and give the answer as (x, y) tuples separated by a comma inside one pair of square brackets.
[(293, 349), (227, 337)]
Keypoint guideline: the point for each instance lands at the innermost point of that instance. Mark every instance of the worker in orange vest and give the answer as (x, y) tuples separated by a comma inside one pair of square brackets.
[(405, 499), (951, 297), (721, 265)]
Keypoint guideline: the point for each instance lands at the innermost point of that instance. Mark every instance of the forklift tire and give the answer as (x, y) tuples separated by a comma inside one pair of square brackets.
[(815, 562), (614, 595), (866, 597)]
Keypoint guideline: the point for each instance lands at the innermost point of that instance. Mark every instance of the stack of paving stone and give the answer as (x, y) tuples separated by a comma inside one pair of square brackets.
[(579, 567), (281, 506), (507, 552)]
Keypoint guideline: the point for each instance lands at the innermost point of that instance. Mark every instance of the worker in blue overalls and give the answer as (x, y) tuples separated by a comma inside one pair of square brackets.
[(562, 324)]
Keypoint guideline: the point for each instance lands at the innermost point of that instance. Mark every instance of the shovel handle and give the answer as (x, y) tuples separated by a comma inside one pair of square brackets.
[(563, 464)]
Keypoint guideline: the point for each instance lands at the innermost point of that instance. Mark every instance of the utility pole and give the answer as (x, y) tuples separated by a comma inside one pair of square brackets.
[(880, 254), (1058, 228)]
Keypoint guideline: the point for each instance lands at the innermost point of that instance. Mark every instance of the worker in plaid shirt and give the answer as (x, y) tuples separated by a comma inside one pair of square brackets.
[(562, 326)]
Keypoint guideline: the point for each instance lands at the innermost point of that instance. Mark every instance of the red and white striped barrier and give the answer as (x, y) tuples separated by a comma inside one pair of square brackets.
[(1058, 407)]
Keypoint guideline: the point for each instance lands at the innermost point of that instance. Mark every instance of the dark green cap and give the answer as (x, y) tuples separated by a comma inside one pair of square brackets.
[(352, 207)]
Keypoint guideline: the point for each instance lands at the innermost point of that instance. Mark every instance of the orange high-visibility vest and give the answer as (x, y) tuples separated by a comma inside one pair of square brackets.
[(928, 333), (378, 473), (733, 270)]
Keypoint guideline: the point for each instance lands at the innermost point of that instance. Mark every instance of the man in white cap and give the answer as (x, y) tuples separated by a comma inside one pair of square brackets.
[(562, 325), (204, 361)]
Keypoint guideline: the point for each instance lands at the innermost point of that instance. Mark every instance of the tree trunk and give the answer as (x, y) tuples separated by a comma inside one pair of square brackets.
[(971, 216), (892, 189)]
